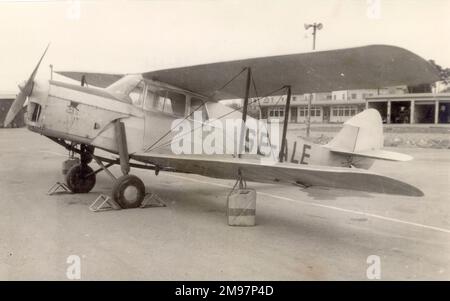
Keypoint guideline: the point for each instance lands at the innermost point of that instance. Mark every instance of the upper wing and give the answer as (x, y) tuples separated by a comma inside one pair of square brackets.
[(373, 66), (101, 80), (258, 171)]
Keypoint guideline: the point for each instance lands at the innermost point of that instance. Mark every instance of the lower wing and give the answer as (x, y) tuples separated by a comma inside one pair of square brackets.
[(287, 173)]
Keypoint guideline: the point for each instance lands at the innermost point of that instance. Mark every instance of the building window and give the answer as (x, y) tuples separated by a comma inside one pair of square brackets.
[(353, 95), (315, 111), (346, 112), (276, 112)]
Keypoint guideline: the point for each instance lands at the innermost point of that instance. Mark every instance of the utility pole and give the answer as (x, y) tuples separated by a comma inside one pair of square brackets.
[(308, 119), (315, 26)]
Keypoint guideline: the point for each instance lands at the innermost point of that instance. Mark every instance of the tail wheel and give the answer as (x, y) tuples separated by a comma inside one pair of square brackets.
[(128, 191), (80, 178)]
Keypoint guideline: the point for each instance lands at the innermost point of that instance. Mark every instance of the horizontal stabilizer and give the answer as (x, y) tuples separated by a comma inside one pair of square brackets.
[(375, 154)]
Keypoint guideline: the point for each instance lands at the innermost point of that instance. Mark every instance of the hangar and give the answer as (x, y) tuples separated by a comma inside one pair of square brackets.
[(6, 99), (412, 108)]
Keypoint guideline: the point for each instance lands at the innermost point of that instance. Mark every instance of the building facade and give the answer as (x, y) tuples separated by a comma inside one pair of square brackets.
[(6, 100), (328, 107), (415, 108)]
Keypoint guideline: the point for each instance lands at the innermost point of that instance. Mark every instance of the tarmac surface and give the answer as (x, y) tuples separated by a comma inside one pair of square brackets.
[(310, 234)]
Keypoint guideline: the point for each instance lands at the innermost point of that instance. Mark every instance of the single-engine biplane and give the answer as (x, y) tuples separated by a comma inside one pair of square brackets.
[(131, 116)]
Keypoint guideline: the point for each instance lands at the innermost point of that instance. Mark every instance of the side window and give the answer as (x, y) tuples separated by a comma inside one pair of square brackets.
[(149, 99), (162, 102), (196, 104), (169, 102), (137, 95)]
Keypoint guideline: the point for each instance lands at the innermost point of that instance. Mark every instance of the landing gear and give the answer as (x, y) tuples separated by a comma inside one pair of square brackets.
[(80, 178), (128, 191)]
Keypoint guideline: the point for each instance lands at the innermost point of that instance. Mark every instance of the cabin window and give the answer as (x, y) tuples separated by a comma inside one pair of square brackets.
[(169, 102), (149, 99), (136, 95), (196, 105)]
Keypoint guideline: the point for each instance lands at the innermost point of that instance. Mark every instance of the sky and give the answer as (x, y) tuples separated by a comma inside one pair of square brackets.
[(138, 36)]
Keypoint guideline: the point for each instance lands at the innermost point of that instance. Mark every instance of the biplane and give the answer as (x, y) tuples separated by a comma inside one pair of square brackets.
[(132, 116)]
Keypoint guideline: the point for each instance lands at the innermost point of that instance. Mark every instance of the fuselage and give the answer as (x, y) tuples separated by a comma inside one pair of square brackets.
[(86, 115), (149, 111)]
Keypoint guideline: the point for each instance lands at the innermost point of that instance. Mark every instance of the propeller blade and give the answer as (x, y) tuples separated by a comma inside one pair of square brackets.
[(15, 108), (25, 91), (29, 83)]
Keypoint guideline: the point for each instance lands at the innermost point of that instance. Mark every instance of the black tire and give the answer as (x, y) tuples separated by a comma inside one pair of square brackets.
[(86, 154), (128, 191), (77, 181)]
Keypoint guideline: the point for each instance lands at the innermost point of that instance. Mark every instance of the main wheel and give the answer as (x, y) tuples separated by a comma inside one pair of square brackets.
[(128, 191), (80, 178)]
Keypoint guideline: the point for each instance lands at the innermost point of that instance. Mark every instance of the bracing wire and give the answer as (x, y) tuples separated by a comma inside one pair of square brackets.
[(196, 109), (220, 117)]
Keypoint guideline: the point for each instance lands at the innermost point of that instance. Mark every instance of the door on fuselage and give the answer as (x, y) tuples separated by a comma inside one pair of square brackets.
[(162, 106)]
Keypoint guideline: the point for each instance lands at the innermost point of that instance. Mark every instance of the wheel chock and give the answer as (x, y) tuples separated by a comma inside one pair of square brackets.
[(104, 203), (62, 187), (152, 200)]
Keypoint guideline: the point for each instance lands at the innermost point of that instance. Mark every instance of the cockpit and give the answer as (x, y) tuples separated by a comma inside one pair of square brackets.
[(154, 96)]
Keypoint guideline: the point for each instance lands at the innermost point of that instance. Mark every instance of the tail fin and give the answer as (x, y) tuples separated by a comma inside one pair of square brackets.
[(362, 136), (363, 131)]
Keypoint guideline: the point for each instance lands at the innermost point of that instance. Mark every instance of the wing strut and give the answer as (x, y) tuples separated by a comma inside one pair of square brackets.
[(121, 140), (285, 124), (244, 111)]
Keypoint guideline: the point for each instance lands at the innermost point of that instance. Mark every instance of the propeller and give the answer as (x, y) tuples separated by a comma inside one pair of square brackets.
[(25, 91)]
